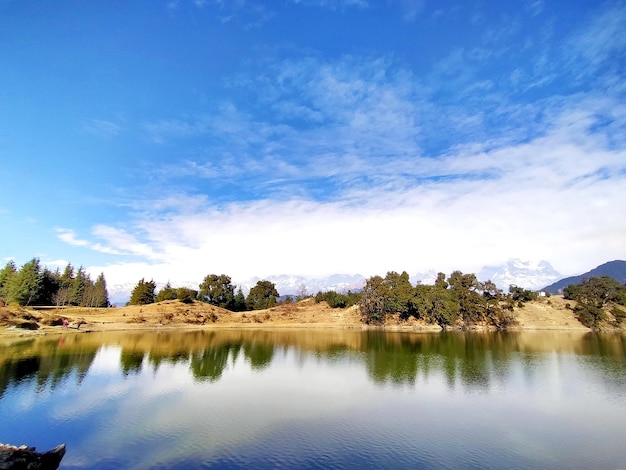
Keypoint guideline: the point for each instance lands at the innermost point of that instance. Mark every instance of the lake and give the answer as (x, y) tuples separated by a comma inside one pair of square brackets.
[(229, 399)]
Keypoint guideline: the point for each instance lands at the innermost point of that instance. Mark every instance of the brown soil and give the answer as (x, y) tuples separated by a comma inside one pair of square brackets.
[(544, 313), (548, 313)]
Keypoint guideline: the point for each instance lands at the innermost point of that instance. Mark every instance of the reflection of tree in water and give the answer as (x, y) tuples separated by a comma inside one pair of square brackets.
[(606, 353), (131, 362), (50, 369), (209, 364), (390, 361), (156, 358), (259, 354), (474, 359)]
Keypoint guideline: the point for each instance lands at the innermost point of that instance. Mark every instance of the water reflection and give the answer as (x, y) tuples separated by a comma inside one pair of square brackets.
[(318, 399), (472, 360)]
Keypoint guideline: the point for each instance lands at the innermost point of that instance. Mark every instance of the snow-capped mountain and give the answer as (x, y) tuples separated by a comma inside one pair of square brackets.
[(287, 284), (526, 274), (427, 278)]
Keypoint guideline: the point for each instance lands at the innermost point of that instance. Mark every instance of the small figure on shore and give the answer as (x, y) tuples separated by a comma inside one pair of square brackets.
[(65, 323)]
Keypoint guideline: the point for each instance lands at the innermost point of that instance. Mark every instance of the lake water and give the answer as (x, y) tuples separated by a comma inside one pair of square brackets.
[(230, 399)]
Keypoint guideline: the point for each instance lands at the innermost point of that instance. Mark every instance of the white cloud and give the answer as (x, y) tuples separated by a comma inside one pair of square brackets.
[(542, 200), (69, 236), (339, 156)]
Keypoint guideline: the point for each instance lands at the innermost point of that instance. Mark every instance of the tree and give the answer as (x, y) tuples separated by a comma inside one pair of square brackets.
[(143, 293), (239, 304), (218, 290), (101, 297), (437, 303), (519, 294), (593, 295), (6, 275), (186, 295), (465, 289), (399, 294), (303, 293), (25, 286), (167, 293), (49, 283), (263, 295), (79, 285), (372, 303)]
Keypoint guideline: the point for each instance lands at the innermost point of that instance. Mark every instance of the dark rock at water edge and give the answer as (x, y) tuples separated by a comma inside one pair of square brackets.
[(27, 458)]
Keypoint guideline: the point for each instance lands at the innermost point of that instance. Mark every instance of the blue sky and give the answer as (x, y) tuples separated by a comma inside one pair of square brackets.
[(173, 139)]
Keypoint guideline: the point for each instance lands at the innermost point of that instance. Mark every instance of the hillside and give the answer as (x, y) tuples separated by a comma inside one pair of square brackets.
[(545, 313), (615, 269)]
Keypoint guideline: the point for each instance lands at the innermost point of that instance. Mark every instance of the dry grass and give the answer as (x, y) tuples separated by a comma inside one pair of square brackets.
[(543, 314)]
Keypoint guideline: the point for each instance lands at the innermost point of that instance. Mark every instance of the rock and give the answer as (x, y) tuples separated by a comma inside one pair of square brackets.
[(27, 458)]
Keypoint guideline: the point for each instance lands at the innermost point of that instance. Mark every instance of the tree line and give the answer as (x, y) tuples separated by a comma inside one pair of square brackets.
[(215, 289), (34, 285), (459, 299), (462, 300)]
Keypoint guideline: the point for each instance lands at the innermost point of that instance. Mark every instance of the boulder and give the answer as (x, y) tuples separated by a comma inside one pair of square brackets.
[(27, 458)]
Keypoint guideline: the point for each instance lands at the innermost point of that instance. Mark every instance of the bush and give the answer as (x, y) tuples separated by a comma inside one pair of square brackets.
[(337, 300)]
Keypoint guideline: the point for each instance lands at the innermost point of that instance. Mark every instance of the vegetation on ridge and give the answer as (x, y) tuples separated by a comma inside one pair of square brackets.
[(459, 300)]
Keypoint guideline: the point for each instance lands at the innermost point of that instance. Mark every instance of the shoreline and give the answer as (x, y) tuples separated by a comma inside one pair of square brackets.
[(546, 314)]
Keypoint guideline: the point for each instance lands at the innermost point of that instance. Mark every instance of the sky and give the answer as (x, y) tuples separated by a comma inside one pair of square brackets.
[(178, 138)]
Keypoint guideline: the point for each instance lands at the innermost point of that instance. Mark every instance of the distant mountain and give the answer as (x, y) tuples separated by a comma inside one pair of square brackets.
[(615, 269), (427, 278), (287, 284), (526, 274)]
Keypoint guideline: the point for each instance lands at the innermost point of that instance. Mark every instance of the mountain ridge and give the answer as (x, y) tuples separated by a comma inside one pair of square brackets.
[(615, 269)]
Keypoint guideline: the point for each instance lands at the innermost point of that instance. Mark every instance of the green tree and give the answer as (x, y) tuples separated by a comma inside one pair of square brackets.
[(6, 275), (439, 303), (167, 293), (400, 295), (239, 304), (465, 289), (218, 290), (263, 295), (593, 295), (372, 303), (101, 299), (64, 294), (25, 286), (143, 293), (49, 286), (519, 294), (186, 295), (79, 285)]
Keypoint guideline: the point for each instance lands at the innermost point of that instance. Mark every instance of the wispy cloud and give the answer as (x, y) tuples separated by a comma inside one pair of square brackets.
[(69, 236), (542, 199), (102, 128), (360, 164)]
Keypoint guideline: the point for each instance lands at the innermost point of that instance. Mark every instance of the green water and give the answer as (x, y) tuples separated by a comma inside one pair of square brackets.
[(318, 399)]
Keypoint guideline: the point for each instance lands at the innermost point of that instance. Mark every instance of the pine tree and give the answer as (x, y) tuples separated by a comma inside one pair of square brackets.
[(239, 304), (6, 274), (101, 293), (78, 288), (143, 293), (25, 286)]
